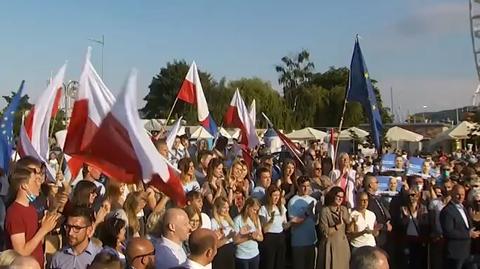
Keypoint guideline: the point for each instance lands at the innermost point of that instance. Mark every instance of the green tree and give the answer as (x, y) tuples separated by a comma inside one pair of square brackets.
[(267, 99), (293, 73), (164, 89), (23, 107)]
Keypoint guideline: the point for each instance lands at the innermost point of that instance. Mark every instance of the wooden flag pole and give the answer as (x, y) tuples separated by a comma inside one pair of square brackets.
[(170, 113), (340, 129)]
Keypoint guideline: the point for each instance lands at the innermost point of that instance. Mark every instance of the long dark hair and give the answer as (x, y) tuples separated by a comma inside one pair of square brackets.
[(109, 231), (331, 194), (269, 201), (81, 193)]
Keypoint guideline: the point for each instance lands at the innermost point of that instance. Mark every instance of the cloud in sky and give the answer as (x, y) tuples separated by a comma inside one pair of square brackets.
[(437, 19)]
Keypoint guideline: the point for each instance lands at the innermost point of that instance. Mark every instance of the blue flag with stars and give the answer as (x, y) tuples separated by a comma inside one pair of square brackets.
[(6, 130), (360, 89)]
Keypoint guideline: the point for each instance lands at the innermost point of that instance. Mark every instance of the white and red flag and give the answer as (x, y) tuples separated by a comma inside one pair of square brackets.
[(238, 116), (123, 151), (94, 100), (34, 133), (191, 92), (253, 112)]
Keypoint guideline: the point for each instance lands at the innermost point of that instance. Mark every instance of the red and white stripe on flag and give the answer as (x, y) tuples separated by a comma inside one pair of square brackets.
[(94, 100), (238, 116), (135, 157), (34, 133)]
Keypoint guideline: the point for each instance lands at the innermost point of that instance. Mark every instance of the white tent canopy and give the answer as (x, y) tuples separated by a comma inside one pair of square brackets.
[(201, 133), (224, 133), (307, 134), (462, 131), (347, 134), (399, 134)]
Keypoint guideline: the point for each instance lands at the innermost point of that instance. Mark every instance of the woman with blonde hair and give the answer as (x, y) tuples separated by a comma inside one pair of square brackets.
[(187, 176), (249, 233), (133, 205), (237, 179), (223, 225), (7, 257)]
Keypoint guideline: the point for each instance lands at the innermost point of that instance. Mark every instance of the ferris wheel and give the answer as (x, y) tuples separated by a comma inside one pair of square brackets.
[(474, 7)]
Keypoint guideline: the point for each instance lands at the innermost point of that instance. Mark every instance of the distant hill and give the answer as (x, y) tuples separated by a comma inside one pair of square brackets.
[(448, 116)]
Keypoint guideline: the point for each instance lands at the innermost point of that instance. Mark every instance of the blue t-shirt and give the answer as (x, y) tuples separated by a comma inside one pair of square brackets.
[(303, 234), (248, 249)]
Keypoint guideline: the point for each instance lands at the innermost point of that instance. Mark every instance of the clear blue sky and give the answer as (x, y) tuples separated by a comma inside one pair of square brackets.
[(420, 48)]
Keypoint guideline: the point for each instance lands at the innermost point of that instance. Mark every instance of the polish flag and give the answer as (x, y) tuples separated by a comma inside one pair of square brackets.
[(173, 133), (34, 132), (94, 100), (191, 92), (331, 145), (238, 116), (253, 112), (291, 147), (122, 150)]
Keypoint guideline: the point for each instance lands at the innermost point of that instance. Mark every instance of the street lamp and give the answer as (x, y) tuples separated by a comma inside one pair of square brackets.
[(102, 43), (424, 108)]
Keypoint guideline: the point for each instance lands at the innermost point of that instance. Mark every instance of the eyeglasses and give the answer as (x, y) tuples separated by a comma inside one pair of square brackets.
[(152, 253), (75, 228), (318, 168)]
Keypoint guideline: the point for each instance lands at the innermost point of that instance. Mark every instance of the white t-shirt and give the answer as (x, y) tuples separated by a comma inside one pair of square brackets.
[(248, 249), (226, 228), (360, 224), (279, 219)]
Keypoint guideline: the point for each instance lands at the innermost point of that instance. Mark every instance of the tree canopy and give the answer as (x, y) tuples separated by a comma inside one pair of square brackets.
[(309, 98)]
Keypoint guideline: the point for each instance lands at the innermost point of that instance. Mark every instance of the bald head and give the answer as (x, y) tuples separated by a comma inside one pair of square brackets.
[(176, 225), (140, 253), (369, 257), (25, 262), (203, 246), (138, 246)]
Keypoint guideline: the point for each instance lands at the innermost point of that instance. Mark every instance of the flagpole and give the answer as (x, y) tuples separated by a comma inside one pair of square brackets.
[(170, 113), (340, 127)]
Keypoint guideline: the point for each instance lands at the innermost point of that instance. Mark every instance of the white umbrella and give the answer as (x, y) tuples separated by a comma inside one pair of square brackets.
[(347, 133), (152, 125), (224, 133), (399, 134), (201, 133), (307, 134)]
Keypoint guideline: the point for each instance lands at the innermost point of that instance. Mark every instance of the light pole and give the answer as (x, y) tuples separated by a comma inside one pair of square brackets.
[(102, 43), (424, 108)]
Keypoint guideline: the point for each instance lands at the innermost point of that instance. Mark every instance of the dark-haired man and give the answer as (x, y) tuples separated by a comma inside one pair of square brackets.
[(80, 250)]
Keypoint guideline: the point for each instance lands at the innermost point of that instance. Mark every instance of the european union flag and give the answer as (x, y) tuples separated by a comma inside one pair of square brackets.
[(6, 130), (360, 89)]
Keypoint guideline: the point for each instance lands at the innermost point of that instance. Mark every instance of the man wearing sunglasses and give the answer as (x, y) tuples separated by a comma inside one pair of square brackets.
[(140, 254), (23, 231), (79, 251)]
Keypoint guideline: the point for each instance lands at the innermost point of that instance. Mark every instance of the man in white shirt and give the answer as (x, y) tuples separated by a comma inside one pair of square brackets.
[(169, 251), (203, 248)]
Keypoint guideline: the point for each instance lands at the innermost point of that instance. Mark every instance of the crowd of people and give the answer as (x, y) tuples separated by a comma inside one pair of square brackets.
[(273, 212)]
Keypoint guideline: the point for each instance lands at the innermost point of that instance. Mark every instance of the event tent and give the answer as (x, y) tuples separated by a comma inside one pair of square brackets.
[(399, 134), (201, 133), (347, 134), (307, 134)]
